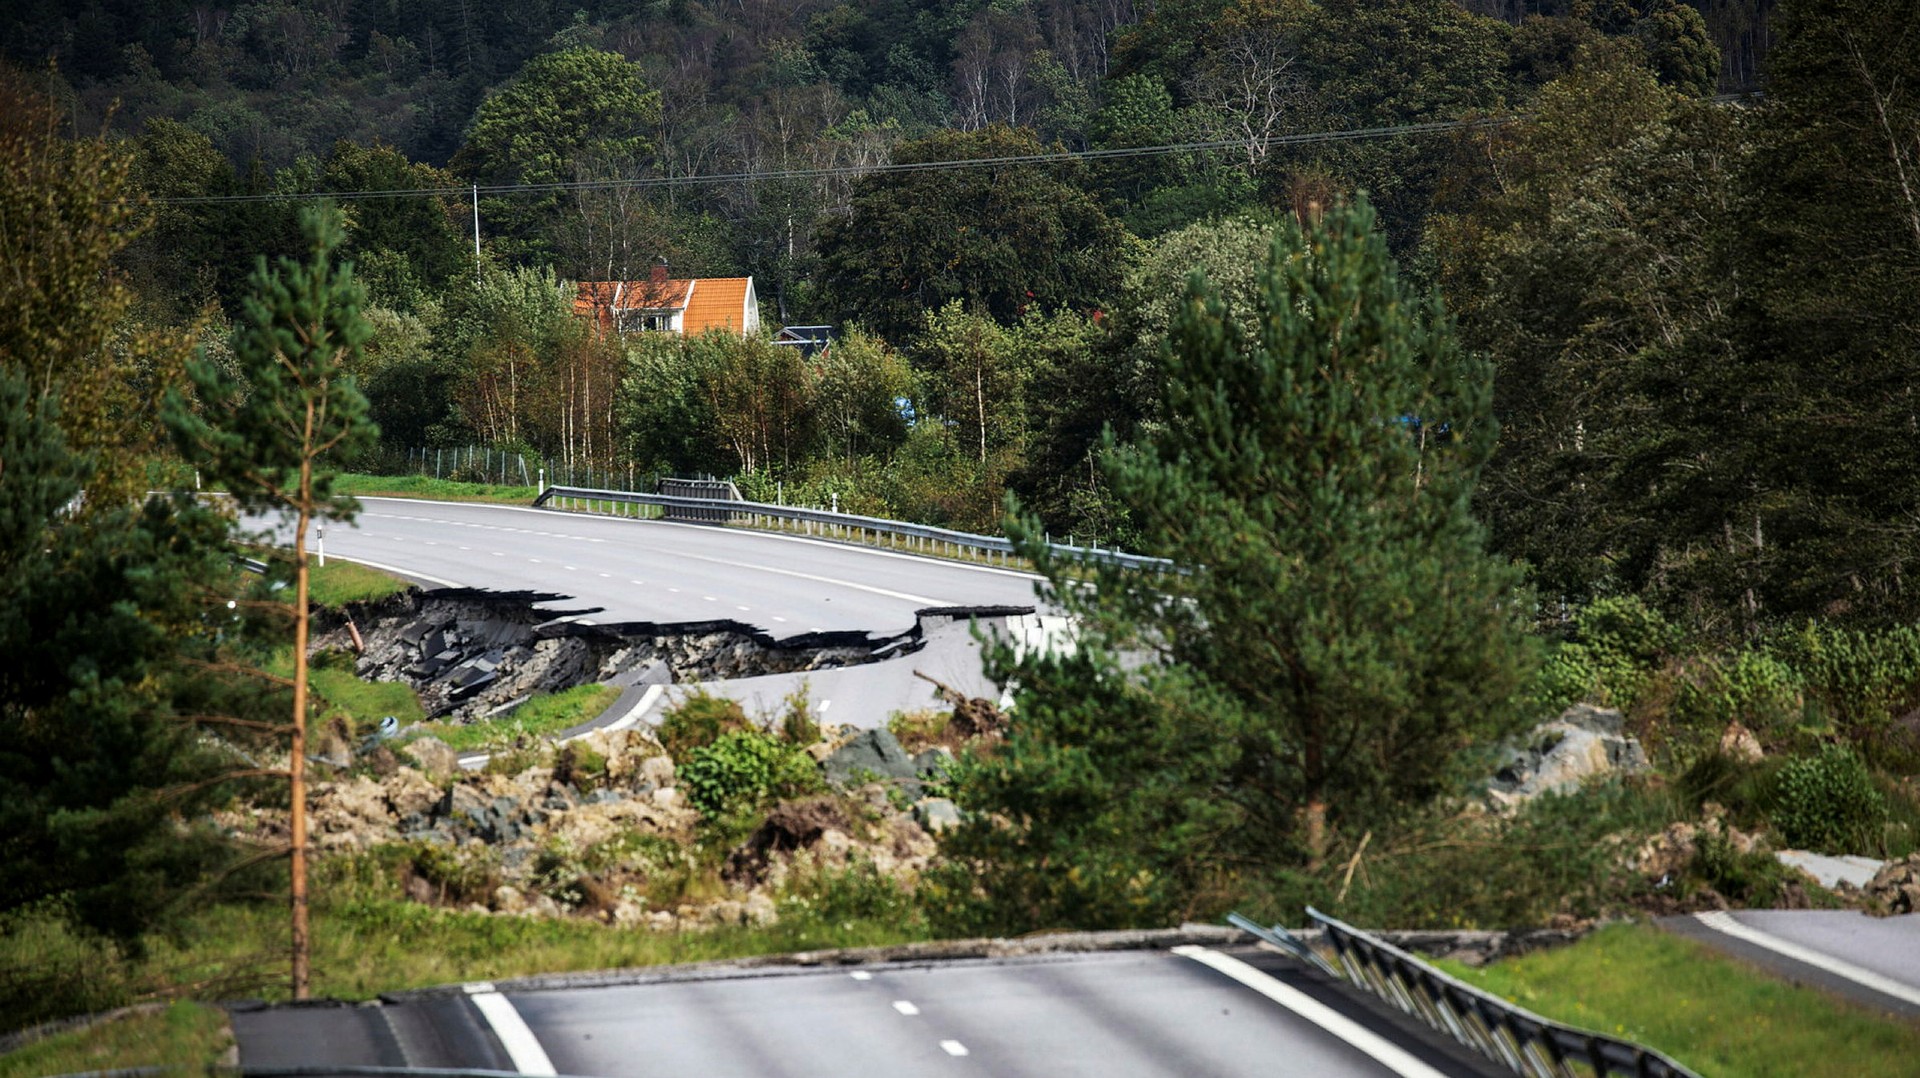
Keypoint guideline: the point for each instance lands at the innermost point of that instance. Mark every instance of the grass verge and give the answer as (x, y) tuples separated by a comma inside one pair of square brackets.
[(422, 486), (367, 940), (190, 1036), (538, 717), (338, 583), (1714, 1014)]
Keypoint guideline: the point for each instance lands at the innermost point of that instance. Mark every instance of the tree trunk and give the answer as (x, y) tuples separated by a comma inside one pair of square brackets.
[(296, 763)]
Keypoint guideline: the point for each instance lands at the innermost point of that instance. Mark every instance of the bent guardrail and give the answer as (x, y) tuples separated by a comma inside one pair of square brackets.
[(919, 537), (1517, 1039)]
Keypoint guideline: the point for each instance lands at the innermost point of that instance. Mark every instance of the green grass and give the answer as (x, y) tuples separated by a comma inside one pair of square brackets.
[(190, 1036), (421, 486), (338, 583), (362, 702), (366, 940), (538, 717), (1709, 1012)]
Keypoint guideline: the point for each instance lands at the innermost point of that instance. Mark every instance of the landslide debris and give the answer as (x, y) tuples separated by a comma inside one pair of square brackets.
[(469, 652)]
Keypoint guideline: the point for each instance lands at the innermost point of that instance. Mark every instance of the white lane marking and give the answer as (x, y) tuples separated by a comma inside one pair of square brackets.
[(521, 1045), (953, 1048), (905, 1007), (824, 705), (923, 600), (535, 561), (1383, 1051), (861, 975), (466, 548), (397, 571), (744, 609), (709, 598), (570, 569), (604, 576), (499, 553), (1725, 923), (638, 583), (647, 700)]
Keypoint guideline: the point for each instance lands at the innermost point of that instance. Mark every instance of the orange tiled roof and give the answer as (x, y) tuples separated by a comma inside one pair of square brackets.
[(626, 295), (717, 303)]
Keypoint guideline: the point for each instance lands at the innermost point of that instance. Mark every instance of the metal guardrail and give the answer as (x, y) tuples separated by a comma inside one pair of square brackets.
[(847, 526), (1515, 1038)]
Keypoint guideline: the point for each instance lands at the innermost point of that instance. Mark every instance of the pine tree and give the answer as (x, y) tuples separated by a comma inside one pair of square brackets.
[(1333, 632), (265, 433)]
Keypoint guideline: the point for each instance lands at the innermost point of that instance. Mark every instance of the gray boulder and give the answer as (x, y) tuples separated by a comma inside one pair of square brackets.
[(871, 755), (1560, 756), (936, 814)]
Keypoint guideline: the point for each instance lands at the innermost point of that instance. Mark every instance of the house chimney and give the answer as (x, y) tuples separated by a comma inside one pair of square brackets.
[(659, 273)]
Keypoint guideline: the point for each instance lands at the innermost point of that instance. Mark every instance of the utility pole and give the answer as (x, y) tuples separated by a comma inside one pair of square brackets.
[(476, 232)]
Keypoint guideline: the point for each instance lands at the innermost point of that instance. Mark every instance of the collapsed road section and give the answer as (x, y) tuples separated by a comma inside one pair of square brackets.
[(470, 653)]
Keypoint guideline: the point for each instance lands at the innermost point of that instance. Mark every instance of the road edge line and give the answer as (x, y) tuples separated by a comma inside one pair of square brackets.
[(397, 571), (1382, 1051), (523, 1048), (1725, 924)]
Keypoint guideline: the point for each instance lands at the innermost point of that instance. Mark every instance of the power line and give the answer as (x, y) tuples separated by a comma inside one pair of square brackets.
[(1062, 157), (1065, 156)]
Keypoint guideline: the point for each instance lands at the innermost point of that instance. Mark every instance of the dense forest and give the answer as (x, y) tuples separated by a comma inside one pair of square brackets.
[(1017, 307)]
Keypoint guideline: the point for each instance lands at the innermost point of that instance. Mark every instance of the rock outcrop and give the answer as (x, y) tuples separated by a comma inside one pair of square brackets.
[(1895, 889), (1560, 756)]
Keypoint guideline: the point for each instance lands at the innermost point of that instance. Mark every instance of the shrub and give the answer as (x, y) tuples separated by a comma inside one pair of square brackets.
[(1829, 803), (917, 730), (797, 724), (697, 721), (1861, 679), (743, 770), (1616, 643), (1754, 688)]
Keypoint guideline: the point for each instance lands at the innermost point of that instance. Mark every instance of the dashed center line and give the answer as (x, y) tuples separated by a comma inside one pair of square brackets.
[(861, 975), (906, 1007), (954, 1048)]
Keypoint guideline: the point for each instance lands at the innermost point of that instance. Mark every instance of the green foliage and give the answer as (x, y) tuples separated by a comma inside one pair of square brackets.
[(1755, 878), (457, 875), (1863, 680), (1754, 688), (562, 108), (1829, 803), (743, 770), (1558, 855), (797, 725), (1615, 645), (1333, 636), (859, 892), (698, 720), (916, 730), (999, 240)]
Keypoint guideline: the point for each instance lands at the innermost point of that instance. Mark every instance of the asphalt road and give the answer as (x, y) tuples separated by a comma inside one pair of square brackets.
[(643, 570), (1871, 960), (1108, 1014), (616, 570)]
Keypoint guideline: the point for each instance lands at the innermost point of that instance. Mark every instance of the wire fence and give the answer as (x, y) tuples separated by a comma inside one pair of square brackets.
[(506, 467)]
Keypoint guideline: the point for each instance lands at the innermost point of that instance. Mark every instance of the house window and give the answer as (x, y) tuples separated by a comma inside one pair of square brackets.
[(629, 320)]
